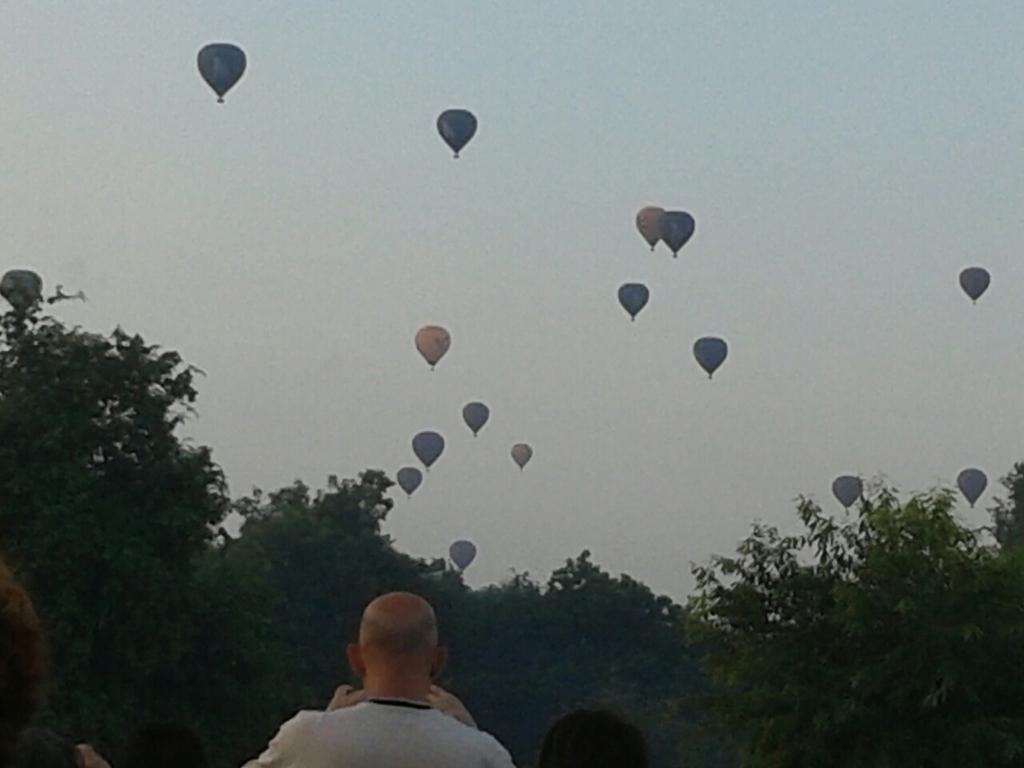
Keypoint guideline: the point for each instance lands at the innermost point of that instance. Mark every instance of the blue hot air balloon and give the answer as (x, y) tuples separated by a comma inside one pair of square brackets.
[(457, 127), (428, 447), (677, 227), (972, 483), (975, 281), (222, 66), (633, 297), (847, 489), (462, 553), (409, 479), (710, 353), (476, 415)]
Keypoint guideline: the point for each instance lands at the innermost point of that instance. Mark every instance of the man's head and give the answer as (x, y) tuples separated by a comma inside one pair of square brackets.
[(397, 640)]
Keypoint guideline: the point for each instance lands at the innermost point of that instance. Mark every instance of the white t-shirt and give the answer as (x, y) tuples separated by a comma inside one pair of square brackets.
[(381, 733)]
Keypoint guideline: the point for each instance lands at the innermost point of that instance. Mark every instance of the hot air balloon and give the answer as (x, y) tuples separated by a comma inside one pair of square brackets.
[(409, 479), (428, 447), (972, 483), (633, 297), (221, 65), (710, 353), (521, 454), (433, 342), (22, 288), (975, 281), (677, 227), (462, 553), (457, 127), (476, 415), (648, 222), (847, 489)]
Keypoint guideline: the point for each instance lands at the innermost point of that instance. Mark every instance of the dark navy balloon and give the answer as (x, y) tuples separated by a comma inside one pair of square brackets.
[(975, 281), (972, 483), (462, 553), (428, 447), (710, 353), (677, 227), (22, 288), (457, 127), (847, 489), (633, 297), (409, 479), (476, 415), (222, 66)]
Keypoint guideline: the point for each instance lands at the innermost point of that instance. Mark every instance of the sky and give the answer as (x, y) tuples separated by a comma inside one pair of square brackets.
[(843, 161)]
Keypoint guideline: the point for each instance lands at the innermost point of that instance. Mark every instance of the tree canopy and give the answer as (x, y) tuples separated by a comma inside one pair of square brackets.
[(116, 525), (892, 637)]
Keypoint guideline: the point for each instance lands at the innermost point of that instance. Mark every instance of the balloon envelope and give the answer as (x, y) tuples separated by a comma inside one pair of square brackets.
[(521, 454), (710, 353), (972, 483), (221, 66), (847, 489), (457, 127), (476, 415), (462, 553), (648, 222), (677, 227), (975, 281), (428, 447), (633, 297), (433, 342), (22, 288), (409, 479)]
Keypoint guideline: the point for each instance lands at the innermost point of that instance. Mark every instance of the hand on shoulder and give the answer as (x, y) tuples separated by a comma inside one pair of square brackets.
[(449, 704), (346, 696)]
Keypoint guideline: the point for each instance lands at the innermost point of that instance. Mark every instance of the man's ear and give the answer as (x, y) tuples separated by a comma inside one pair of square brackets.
[(440, 659), (355, 660)]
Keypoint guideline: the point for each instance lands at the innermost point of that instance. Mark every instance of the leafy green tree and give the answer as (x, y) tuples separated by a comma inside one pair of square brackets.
[(527, 654), (1008, 513), (103, 510), (152, 611), (892, 638)]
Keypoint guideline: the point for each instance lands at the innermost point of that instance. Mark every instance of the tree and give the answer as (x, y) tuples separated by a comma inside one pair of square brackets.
[(527, 654), (892, 638), (1008, 514), (103, 511)]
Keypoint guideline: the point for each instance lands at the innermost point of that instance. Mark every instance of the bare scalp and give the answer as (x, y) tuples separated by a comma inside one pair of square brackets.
[(399, 624)]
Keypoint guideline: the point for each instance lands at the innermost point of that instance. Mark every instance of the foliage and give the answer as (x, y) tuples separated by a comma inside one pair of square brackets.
[(893, 638), (103, 512), (152, 611), (1008, 514)]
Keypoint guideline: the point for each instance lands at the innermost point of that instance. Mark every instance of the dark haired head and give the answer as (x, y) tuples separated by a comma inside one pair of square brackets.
[(21, 662), (164, 745), (43, 748), (593, 739)]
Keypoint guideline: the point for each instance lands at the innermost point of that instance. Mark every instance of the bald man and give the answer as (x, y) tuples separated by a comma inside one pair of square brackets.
[(398, 719)]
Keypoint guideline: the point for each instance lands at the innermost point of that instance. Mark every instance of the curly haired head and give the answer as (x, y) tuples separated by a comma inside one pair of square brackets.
[(22, 662)]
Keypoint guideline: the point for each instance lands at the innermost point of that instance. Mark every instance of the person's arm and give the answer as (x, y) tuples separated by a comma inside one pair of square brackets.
[(500, 757), (90, 758), (449, 704), (285, 748)]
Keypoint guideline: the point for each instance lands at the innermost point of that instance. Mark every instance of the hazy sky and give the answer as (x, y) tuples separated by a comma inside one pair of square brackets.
[(843, 162)]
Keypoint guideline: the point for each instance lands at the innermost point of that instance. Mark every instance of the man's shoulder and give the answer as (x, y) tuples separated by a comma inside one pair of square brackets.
[(482, 741)]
